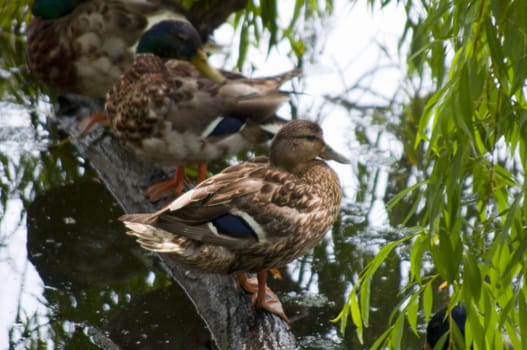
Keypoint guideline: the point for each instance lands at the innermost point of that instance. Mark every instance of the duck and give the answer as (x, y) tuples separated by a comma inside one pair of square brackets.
[(251, 217), (82, 47), (169, 111), (439, 326)]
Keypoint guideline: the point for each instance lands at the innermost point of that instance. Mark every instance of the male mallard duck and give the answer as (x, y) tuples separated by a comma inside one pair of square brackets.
[(169, 112), (178, 39), (84, 46), (254, 216), (439, 327)]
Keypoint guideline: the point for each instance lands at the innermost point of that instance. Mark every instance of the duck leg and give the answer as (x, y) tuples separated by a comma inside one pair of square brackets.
[(202, 172), (158, 190), (86, 124), (250, 285), (263, 297), (273, 304)]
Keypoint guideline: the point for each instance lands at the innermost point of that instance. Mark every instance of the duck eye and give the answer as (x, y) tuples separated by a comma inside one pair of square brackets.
[(311, 138)]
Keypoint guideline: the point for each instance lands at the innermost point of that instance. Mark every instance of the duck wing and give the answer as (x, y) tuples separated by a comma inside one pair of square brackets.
[(245, 204)]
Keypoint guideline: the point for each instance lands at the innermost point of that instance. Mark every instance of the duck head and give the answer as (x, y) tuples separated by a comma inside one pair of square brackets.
[(299, 143), (177, 39)]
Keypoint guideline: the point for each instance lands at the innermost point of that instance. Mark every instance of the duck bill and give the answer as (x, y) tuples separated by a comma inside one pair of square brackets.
[(330, 154), (200, 61)]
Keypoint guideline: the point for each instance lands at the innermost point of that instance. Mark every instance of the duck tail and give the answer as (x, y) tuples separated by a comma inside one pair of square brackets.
[(284, 77), (262, 103), (150, 237), (145, 219), (273, 82)]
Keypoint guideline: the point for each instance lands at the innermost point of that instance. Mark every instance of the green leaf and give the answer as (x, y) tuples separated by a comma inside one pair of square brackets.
[(428, 301), (356, 316), (399, 196), (472, 278), (382, 339), (419, 246), (411, 312), (397, 337), (244, 45), (364, 298)]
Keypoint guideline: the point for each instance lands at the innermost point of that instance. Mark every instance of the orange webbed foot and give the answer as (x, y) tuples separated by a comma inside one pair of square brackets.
[(161, 189), (262, 296), (270, 304)]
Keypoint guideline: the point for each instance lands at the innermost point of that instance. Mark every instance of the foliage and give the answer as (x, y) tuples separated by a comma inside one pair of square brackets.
[(262, 17), (470, 190), (15, 16)]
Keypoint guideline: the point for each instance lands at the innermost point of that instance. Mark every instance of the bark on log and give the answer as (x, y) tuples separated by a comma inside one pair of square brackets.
[(227, 311)]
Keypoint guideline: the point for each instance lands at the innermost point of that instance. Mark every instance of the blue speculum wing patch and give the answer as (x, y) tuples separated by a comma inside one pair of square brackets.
[(228, 125), (234, 226)]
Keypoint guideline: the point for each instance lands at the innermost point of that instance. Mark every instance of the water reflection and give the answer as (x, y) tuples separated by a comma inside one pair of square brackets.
[(98, 285), (74, 240), (161, 319)]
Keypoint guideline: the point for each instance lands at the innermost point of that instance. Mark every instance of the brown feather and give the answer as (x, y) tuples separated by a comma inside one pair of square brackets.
[(87, 50)]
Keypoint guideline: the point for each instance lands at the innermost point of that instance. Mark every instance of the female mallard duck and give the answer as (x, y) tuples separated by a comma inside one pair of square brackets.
[(254, 216), (168, 112), (84, 46)]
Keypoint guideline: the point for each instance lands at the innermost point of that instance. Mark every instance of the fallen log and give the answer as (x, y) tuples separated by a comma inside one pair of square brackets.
[(226, 310)]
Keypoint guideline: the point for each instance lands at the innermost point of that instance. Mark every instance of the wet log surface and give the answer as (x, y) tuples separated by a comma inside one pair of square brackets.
[(227, 311)]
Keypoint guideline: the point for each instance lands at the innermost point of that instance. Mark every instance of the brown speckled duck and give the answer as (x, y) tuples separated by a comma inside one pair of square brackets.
[(169, 112), (254, 216), (84, 46)]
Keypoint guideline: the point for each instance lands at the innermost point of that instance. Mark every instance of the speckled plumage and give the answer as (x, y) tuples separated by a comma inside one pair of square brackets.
[(86, 50), (165, 111), (290, 200)]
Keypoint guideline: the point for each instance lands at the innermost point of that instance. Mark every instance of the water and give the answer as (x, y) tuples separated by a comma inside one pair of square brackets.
[(73, 279)]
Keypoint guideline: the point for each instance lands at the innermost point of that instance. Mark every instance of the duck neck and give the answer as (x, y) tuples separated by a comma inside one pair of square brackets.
[(293, 167)]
